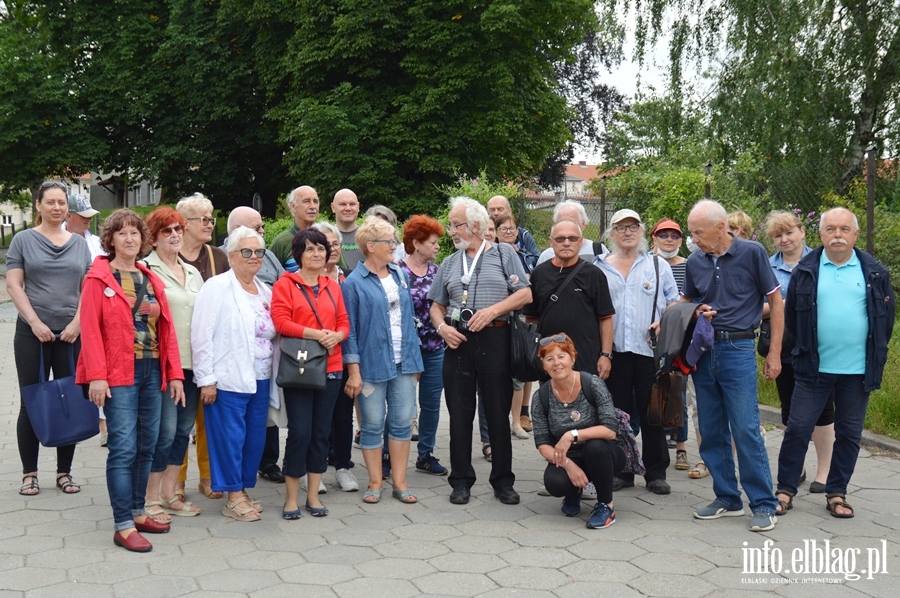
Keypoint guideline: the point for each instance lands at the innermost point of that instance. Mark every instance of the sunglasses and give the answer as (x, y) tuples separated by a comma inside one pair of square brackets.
[(556, 338), (51, 184), (570, 239), (673, 236), (254, 252), (167, 232)]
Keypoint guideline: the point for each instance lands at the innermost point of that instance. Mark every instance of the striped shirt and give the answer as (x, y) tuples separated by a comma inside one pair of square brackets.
[(146, 344), (493, 282)]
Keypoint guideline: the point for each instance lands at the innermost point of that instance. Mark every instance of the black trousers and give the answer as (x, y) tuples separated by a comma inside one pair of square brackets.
[(342, 428), (785, 384), (27, 348), (270, 448), (629, 383), (600, 460), (482, 360)]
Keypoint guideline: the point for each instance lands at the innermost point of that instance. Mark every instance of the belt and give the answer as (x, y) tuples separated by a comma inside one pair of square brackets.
[(460, 325), (725, 335)]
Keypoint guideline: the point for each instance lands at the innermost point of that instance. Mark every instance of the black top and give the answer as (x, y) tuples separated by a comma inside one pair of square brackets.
[(581, 304)]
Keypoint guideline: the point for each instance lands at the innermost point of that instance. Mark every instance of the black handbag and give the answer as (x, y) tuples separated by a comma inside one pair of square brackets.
[(524, 343), (57, 409), (303, 362)]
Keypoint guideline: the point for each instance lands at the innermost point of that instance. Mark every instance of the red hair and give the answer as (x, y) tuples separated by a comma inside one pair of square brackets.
[(566, 346), (420, 228), (161, 218)]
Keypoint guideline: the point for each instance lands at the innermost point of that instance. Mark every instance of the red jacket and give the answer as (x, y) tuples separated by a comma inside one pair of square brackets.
[(107, 330), (292, 314)]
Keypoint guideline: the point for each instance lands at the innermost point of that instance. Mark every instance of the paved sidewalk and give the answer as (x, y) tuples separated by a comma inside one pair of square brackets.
[(61, 546)]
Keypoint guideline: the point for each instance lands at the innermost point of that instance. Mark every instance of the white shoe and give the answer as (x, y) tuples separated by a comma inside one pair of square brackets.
[(542, 491), (414, 425), (590, 492), (521, 434), (345, 480), (305, 486)]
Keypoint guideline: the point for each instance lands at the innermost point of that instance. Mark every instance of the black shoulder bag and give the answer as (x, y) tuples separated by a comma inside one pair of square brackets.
[(303, 362)]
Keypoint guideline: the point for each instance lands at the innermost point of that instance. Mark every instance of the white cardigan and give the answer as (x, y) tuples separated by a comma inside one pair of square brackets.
[(222, 335)]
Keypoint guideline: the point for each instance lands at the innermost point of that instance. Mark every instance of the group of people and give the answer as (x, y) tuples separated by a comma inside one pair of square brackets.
[(175, 338)]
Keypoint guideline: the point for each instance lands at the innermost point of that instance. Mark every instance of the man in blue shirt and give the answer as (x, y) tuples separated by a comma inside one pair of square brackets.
[(731, 277), (840, 306)]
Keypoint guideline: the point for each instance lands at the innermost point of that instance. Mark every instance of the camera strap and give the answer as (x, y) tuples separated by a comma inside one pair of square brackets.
[(469, 271)]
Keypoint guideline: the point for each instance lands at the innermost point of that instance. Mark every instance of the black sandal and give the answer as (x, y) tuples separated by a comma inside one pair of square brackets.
[(486, 451), (25, 490), (832, 506), (784, 505), (67, 486)]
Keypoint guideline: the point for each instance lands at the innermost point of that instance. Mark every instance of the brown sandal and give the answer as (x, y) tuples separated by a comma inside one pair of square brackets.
[(784, 505), (832, 506)]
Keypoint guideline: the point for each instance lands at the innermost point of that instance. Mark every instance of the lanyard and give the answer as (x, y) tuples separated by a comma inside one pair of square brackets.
[(468, 271)]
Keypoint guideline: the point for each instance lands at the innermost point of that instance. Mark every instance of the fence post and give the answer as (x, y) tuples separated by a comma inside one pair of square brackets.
[(602, 204), (870, 199), (707, 169)]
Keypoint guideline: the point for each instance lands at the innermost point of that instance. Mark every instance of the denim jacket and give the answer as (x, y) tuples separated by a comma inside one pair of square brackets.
[(801, 316), (369, 343)]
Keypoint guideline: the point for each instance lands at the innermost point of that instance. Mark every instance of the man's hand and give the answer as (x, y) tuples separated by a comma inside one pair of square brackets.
[(453, 337), (482, 318), (604, 367), (772, 367), (705, 311)]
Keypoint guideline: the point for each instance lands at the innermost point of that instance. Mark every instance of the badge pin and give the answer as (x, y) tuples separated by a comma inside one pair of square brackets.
[(648, 284), (465, 279), (575, 415), (109, 292), (513, 280)]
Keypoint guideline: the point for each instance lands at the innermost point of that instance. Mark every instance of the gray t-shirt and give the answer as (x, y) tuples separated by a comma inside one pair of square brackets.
[(350, 251), (52, 274), (489, 286), (578, 415)]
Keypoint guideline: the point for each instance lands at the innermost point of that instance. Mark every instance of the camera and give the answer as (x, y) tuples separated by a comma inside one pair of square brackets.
[(466, 314)]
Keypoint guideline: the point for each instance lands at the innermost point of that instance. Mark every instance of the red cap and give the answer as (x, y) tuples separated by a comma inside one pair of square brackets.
[(664, 224)]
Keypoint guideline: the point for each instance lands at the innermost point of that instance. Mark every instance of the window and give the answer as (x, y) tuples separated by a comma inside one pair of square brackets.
[(7, 219), (137, 196), (153, 195)]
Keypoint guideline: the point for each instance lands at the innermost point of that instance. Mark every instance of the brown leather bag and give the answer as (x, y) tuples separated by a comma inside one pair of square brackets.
[(666, 407)]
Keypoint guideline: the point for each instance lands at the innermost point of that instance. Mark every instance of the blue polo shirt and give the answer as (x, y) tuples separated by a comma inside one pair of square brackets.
[(843, 322), (734, 284), (783, 272)]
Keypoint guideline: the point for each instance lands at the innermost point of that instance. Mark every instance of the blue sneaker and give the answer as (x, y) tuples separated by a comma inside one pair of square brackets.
[(431, 465), (762, 521), (571, 505), (717, 509), (602, 516)]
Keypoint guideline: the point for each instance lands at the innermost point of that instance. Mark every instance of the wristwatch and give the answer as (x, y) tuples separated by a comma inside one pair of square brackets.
[(574, 435), (606, 355)]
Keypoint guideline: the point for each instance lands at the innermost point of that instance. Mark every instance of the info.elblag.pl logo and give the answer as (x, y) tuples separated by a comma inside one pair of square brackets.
[(814, 558)]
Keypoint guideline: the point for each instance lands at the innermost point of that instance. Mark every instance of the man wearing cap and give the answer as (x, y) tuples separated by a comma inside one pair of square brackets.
[(573, 211), (78, 222), (840, 307), (641, 285), (731, 277)]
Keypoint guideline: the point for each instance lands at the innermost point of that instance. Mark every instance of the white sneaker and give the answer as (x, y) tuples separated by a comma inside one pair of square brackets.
[(590, 492), (305, 486), (542, 491), (414, 425), (345, 480)]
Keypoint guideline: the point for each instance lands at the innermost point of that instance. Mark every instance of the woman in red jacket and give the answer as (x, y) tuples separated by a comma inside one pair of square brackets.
[(306, 304), (129, 353)]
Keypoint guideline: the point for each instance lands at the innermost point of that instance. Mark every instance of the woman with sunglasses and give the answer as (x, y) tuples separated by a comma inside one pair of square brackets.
[(183, 283), (233, 339), (575, 431), (54, 262)]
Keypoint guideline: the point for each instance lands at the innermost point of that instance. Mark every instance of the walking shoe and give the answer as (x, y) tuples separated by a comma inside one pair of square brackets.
[(571, 505), (431, 465), (817, 487), (385, 466), (762, 521), (356, 440), (681, 462), (345, 480), (542, 491), (507, 495), (460, 495), (415, 430), (601, 517), (658, 487), (525, 422), (717, 509), (590, 492), (272, 473), (305, 486), (619, 483)]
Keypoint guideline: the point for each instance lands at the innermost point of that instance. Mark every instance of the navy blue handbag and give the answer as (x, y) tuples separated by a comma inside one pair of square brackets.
[(58, 411)]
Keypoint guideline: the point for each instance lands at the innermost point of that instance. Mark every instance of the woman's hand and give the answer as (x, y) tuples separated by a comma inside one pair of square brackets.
[(42, 332), (70, 333), (354, 385), (98, 392), (560, 450), (176, 391), (576, 475), (331, 339), (207, 394)]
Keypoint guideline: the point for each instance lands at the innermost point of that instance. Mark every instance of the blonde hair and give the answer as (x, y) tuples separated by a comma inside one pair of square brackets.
[(741, 221), (780, 221), (194, 205), (372, 228)]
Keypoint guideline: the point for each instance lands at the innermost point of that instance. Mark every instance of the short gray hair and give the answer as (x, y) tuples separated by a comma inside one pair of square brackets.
[(475, 212), (194, 205), (574, 205), (238, 235), (822, 217), (711, 210), (383, 212), (327, 227)]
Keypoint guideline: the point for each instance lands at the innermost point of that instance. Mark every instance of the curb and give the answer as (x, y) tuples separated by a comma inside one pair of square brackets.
[(771, 415)]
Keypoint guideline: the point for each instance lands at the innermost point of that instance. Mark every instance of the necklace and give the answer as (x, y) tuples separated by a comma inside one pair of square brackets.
[(571, 391)]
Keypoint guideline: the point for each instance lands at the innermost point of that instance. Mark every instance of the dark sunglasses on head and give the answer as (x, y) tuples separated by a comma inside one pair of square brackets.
[(673, 236), (51, 184), (167, 232), (556, 338), (256, 252), (570, 239)]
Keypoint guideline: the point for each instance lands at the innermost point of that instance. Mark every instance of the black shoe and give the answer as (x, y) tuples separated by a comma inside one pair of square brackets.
[(817, 487), (658, 487), (507, 495), (619, 483), (272, 473), (460, 495)]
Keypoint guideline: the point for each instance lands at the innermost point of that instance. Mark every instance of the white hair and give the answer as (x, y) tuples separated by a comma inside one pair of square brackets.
[(710, 210), (194, 205), (383, 212), (476, 214), (327, 227), (826, 212), (240, 233), (643, 245), (571, 204)]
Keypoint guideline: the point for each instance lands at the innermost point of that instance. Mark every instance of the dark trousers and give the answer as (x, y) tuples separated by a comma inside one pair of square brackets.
[(785, 384), (309, 424), (483, 359), (808, 402), (630, 382), (270, 449), (600, 460), (342, 428), (26, 348)]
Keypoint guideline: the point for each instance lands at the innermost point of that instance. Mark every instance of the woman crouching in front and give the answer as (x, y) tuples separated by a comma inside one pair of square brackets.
[(575, 431)]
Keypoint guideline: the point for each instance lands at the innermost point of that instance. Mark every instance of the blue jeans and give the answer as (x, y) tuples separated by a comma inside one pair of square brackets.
[(309, 415), (236, 433), (430, 386), (396, 398), (809, 400), (183, 424), (727, 398), (132, 420)]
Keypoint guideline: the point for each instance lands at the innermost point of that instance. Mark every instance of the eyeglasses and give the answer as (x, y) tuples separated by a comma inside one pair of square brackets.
[(336, 245), (167, 232), (259, 253), (556, 338), (570, 239), (452, 227), (204, 220), (627, 227), (507, 229), (392, 242), (673, 236)]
